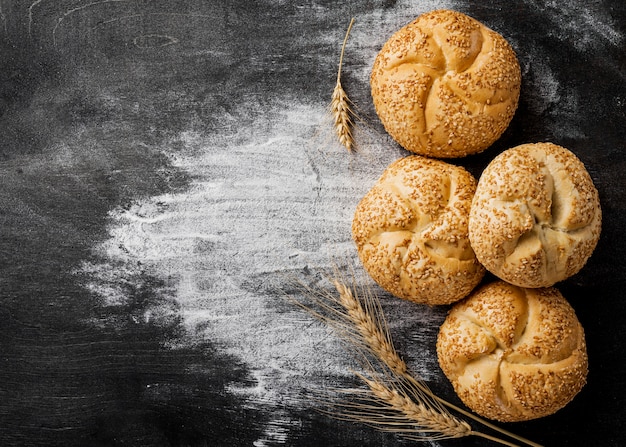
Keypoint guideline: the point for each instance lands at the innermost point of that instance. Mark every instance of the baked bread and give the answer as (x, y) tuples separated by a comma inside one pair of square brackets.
[(513, 354), (535, 219), (445, 85), (410, 230)]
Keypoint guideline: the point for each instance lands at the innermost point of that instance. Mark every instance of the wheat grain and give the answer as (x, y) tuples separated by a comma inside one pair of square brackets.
[(340, 109), (342, 116), (419, 416), (369, 328), (372, 332)]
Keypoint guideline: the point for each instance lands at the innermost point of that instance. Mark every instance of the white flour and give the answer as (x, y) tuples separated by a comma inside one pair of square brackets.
[(275, 204), (581, 19)]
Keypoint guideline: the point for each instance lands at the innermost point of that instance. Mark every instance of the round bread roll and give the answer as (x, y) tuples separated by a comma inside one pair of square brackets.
[(513, 354), (535, 218), (410, 230), (445, 85)]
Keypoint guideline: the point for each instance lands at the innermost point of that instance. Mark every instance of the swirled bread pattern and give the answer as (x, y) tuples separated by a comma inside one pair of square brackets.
[(536, 218), (445, 85), (513, 354), (410, 230)]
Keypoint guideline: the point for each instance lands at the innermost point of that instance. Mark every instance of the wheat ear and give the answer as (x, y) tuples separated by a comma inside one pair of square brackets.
[(340, 109), (367, 324), (372, 333), (393, 407)]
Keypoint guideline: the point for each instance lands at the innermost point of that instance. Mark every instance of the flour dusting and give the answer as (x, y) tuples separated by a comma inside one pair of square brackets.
[(268, 201), (583, 20), (230, 241)]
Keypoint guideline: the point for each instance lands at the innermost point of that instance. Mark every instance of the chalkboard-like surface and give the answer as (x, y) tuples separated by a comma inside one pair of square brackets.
[(166, 167)]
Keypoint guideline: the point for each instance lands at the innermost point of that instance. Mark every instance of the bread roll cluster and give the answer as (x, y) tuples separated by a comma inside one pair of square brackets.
[(447, 86)]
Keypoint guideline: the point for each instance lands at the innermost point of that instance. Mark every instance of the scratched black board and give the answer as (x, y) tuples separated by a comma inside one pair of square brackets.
[(78, 370)]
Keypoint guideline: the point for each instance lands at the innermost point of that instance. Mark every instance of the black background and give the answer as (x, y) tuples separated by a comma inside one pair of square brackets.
[(66, 382)]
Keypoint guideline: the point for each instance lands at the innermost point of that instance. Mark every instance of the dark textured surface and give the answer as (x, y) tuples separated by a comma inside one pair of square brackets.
[(161, 167)]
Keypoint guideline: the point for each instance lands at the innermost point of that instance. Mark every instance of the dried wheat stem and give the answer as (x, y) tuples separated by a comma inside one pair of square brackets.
[(340, 104), (343, 48)]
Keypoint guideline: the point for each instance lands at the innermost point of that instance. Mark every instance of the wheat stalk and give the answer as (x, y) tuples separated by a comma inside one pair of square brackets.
[(340, 109), (395, 400), (397, 408), (368, 324)]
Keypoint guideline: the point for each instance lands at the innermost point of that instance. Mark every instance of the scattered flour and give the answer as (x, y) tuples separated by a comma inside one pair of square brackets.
[(256, 213), (266, 201), (584, 20)]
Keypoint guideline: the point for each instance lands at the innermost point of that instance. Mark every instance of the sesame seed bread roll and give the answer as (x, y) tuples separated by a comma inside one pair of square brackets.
[(513, 354), (410, 230), (445, 85), (535, 219)]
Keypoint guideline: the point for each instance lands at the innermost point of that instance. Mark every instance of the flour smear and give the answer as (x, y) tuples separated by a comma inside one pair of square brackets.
[(270, 200), (589, 22), (257, 213)]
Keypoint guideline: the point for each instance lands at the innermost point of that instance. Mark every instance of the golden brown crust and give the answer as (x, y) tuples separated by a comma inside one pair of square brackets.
[(535, 219), (513, 354), (445, 85), (410, 230)]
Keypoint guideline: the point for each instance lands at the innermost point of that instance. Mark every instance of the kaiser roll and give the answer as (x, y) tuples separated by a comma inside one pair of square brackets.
[(410, 230), (535, 218), (445, 85), (513, 354)]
